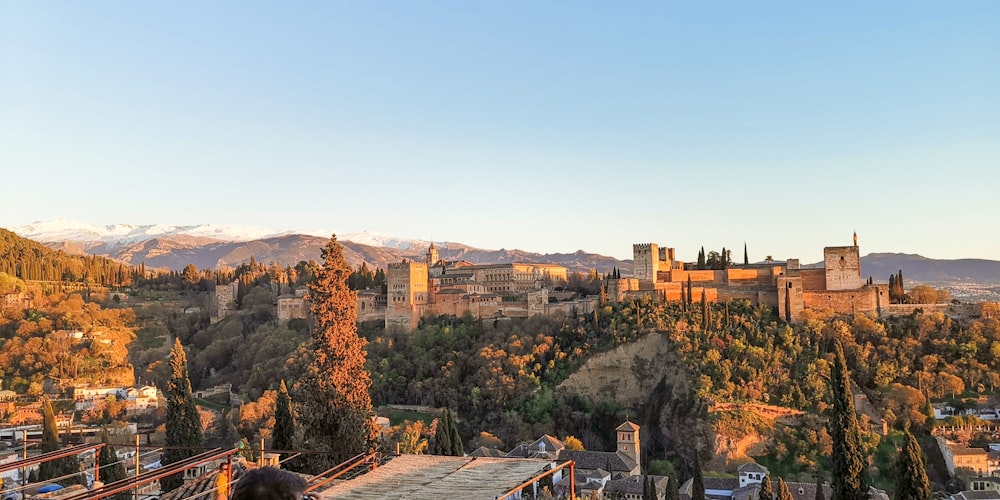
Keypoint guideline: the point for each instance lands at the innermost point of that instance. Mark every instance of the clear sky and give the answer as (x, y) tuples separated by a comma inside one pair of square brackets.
[(548, 126)]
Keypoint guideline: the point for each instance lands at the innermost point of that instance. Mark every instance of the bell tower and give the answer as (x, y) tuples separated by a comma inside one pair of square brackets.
[(432, 255), (628, 441)]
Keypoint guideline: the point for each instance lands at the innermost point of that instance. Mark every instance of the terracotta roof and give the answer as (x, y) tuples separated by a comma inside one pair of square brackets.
[(968, 451), (418, 477), (627, 426), (483, 451), (199, 488), (753, 467), (608, 460), (977, 495)]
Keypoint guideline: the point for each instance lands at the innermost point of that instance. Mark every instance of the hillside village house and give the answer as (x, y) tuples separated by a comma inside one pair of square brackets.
[(137, 399)]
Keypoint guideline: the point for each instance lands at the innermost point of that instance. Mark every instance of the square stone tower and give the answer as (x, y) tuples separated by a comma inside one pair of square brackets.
[(407, 293), (843, 268)]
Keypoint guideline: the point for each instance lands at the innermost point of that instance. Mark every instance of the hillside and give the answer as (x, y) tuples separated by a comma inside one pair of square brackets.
[(30, 260)]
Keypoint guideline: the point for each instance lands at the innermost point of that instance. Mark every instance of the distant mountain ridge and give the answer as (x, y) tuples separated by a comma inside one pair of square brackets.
[(117, 235), (215, 246), (923, 269), (212, 246)]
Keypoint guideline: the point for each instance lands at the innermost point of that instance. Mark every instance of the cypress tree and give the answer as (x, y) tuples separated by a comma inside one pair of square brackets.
[(704, 311), (848, 461), (746, 256), (442, 435), (183, 421), (671, 493), (50, 442), (457, 448), (689, 297), (284, 421), (112, 469), (697, 483), (336, 408), (783, 492), (911, 477), (766, 492), (701, 258), (820, 495)]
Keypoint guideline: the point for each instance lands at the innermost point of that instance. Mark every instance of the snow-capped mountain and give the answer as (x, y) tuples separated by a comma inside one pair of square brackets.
[(119, 235), (215, 246)]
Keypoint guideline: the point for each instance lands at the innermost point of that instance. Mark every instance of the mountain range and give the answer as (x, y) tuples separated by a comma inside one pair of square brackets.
[(212, 246)]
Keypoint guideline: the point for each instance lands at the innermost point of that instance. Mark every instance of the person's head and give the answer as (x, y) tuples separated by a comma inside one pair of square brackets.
[(269, 483)]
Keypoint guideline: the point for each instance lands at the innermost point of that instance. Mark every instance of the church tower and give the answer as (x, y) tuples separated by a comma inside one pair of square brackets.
[(432, 255), (628, 442)]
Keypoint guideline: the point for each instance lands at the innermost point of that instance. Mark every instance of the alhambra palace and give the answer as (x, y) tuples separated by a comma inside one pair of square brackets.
[(438, 287)]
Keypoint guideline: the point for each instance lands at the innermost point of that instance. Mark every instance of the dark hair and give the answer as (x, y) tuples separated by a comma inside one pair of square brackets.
[(269, 483)]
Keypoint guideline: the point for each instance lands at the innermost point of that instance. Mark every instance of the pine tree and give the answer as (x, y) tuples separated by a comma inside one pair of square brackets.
[(783, 492), (848, 461), (911, 477), (183, 421), (336, 409), (766, 492), (112, 469), (191, 276), (284, 421)]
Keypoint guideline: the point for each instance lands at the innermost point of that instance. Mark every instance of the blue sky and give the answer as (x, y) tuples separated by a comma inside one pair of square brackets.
[(548, 126)]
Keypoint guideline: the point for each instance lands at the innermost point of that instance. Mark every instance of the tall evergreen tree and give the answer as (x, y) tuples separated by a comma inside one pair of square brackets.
[(848, 459), (766, 491), (689, 297), (698, 482), (184, 433), (671, 493), (820, 495), (457, 448), (746, 256), (442, 435), (783, 492), (701, 258), (284, 421), (335, 409), (112, 469), (911, 477), (50, 442)]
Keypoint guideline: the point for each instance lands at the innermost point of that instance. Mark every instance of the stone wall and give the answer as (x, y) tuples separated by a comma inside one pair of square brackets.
[(843, 301), (812, 279), (790, 302)]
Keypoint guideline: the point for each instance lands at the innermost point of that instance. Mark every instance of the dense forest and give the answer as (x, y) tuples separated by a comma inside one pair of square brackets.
[(29, 260)]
